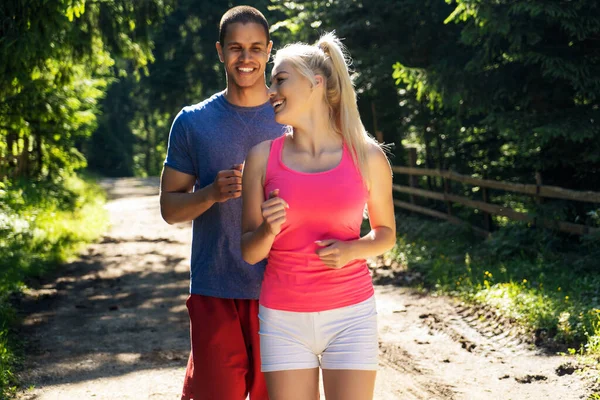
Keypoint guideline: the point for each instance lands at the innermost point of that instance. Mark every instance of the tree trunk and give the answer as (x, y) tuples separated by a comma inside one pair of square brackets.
[(147, 161), (39, 156), (23, 160)]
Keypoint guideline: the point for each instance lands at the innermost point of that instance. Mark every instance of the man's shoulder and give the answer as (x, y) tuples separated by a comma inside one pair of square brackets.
[(207, 106)]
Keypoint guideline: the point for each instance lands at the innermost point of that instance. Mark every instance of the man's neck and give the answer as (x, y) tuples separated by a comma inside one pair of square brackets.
[(246, 97)]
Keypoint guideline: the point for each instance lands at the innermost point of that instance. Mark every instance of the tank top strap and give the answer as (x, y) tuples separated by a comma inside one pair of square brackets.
[(274, 157)]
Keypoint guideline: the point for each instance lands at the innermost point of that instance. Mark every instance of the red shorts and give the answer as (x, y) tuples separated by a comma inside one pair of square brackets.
[(224, 363)]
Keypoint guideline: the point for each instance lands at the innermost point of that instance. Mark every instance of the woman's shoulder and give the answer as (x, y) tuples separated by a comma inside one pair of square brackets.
[(258, 157), (378, 164), (376, 154), (261, 150)]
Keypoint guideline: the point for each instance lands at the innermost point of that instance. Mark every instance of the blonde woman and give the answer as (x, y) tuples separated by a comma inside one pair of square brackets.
[(304, 196)]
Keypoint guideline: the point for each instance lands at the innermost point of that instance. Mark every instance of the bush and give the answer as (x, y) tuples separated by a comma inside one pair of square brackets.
[(41, 226)]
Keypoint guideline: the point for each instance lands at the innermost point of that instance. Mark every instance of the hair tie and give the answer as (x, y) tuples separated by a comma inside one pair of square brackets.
[(324, 46)]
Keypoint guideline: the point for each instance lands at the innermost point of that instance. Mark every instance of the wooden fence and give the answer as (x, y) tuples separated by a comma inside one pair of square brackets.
[(538, 191)]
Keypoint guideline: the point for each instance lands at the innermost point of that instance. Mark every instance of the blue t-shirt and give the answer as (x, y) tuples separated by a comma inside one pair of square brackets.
[(206, 138)]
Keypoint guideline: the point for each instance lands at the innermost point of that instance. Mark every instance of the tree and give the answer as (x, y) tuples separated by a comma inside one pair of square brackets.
[(185, 70), (522, 80), (56, 63)]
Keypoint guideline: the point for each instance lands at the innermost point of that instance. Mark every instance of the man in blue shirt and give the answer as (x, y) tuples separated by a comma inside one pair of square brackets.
[(201, 182)]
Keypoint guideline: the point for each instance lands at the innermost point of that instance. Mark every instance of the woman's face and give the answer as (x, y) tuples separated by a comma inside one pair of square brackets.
[(291, 94)]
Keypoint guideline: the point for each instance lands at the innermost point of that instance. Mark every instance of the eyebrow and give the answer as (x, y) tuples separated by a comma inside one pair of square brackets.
[(252, 44), (279, 73)]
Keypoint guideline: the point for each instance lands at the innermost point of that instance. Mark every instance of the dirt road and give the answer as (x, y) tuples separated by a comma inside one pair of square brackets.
[(113, 325)]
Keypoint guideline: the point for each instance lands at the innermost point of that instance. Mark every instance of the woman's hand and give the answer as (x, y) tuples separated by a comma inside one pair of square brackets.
[(334, 253), (274, 212), (257, 236)]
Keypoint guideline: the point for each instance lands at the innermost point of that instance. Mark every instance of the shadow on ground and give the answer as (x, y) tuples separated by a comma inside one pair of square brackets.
[(120, 308)]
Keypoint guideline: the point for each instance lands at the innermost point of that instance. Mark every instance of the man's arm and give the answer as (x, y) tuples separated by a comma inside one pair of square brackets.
[(179, 204)]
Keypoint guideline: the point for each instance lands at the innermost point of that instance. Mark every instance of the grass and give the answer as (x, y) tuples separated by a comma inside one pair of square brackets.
[(547, 283), (41, 226)]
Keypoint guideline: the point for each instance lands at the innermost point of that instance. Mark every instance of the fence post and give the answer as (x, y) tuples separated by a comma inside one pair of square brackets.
[(447, 192), (487, 218), (412, 162), (538, 183), (538, 198)]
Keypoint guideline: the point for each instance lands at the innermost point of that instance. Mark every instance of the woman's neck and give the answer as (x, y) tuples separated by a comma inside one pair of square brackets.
[(315, 134)]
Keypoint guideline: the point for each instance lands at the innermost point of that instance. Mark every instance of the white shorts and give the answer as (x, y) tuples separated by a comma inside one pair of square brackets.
[(344, 338)]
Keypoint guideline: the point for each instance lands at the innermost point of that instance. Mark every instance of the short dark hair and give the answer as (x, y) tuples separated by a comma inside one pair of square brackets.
[(243, 14)]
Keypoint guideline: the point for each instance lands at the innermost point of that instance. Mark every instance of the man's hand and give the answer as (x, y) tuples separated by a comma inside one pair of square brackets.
[(228, 184)]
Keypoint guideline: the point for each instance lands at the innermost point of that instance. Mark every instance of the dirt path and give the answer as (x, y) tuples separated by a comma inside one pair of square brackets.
[(114, 326)]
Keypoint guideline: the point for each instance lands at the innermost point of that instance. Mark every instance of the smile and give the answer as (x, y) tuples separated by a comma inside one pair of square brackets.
[(277, 104), (246, 70)]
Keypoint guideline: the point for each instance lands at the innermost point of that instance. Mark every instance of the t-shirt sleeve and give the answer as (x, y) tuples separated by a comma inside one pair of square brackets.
[(179, 151)]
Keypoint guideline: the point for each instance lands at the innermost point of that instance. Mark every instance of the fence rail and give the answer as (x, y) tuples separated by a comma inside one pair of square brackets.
[(539, 191), (534, 190)]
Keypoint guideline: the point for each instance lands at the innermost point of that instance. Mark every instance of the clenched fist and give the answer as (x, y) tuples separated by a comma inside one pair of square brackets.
[(274, 212), (228, 184), (333, 253)]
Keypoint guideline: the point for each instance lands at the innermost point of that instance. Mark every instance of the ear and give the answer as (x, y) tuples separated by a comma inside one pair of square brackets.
[(319, 81), (269, 48), (220, 51)]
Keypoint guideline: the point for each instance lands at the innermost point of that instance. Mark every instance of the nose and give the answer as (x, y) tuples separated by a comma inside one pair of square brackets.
[(245, 55), (271, 92)]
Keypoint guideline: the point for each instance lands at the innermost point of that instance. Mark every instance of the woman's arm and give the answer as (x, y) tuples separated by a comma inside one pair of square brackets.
[(380, 204), (261, 219)]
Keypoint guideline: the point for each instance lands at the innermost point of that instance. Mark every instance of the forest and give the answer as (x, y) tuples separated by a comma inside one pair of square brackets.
[(499, 90)]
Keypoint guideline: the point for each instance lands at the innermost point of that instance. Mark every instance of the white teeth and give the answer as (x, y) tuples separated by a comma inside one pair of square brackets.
[(246, 69), (277, 103)]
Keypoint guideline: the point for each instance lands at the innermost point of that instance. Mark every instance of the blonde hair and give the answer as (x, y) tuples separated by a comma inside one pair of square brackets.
[(328, 58)]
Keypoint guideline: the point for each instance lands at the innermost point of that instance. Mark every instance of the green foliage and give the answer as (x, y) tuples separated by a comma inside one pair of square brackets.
[(520, 75), (8, 382), (138, 110), (527, 274), (498, 89), (377, 33), (41, 226), (57, 59)]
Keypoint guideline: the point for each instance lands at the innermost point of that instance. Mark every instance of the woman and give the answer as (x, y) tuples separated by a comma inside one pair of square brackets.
[(304, 197)]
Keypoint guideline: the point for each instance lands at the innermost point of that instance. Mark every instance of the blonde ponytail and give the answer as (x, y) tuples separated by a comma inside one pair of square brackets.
[(328, 58)]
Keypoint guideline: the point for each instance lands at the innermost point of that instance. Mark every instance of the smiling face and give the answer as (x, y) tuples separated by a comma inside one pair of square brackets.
[(245, 53), (291, 94)]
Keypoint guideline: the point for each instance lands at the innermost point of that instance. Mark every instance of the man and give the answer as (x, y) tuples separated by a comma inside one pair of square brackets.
[(207, 146)]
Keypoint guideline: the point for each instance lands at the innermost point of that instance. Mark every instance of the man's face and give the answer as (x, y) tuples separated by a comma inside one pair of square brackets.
[(245, 54)]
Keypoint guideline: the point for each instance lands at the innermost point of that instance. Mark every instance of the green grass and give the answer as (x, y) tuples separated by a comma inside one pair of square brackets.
[(41, 226), (545, 282)]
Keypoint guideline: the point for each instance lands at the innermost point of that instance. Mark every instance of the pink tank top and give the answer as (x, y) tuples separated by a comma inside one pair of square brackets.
[(323, 205)]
